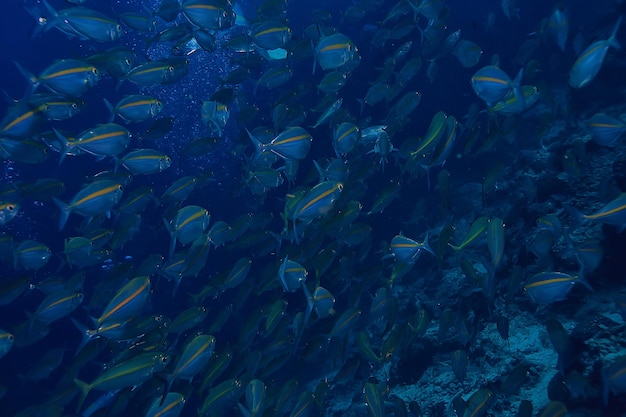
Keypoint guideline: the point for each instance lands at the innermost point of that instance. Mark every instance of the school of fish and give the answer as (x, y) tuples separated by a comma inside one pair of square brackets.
[(288, 208)]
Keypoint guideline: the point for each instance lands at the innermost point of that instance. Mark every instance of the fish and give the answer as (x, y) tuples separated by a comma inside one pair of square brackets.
[(270, 34), (335, 51), (613, 213), (56, 306), (8, 211), (606, 130), (408, 250), (551, 287), (475, 232), (193, 359), (93, 199), (215, 115), (558, 27), (374, 399), (6, 342), (291, 274), (332, 109), (189, 223), (345, 138), (589, 62), (238, 273), (256, 399), (31, 255), (170, 406), (468, 53), (129, 373), (84, 23), (613, 378), (66, 77), (293, 143), (145, 161), (491, 84), (208, 14), (135, 108), (495, 240), (103, 140), (478, 403)]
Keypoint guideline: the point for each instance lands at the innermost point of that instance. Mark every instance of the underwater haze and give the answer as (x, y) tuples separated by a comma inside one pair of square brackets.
[(312, 208)]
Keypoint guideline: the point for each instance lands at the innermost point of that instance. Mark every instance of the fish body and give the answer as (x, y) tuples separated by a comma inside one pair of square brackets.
[(491, 84), (135, 108), (550, 287), (613, 376), (215, 115), (151, 73), (208, 14), (558, 27), (6, 342), (103, 140), (590, 61), (145, 161), (57, 305), (335, 51), (606, 130), (84, 23), (67, 77), (293, 143), (130, 373), (614, 213), (96, 198), (270, 34)]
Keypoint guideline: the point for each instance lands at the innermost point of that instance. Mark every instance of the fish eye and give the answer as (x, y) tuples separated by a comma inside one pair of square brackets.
[(94, 71), (10, 207), (120, 188), (164, 359), (170, 68), (158, 103), (118, 28)]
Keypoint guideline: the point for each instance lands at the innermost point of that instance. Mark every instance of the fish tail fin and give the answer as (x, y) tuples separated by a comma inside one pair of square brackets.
[(257, 143), (581, 275), (62, 143), (87, 335), (116, 163), (361, 105), (40, 19), (517, 89), (168, 386), (427, 247), (244, 411), (49, 8), (172, 233), (309, 303), (84, 391), (295, 232), (30, 77), (455, 247), (65, 212), (111, 110), (612, 40)]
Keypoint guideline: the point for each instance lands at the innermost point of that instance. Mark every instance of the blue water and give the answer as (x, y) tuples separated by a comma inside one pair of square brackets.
[(358, 271)]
